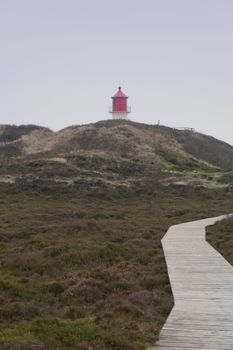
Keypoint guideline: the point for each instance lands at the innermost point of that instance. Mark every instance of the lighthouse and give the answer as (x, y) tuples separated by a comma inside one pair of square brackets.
[(120, 109)]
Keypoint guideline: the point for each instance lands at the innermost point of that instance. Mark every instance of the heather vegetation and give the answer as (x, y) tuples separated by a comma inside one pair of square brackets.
[(84, 272), (220, 236), (82, 265)]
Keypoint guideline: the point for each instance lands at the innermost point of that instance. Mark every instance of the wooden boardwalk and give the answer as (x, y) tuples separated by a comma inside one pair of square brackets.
[(202, 285)]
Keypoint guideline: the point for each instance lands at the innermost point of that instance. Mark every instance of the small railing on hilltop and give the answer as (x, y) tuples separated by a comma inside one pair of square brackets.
[(185, 129)]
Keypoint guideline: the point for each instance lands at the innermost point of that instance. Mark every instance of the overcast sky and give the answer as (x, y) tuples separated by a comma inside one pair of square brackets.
[(62, 60)]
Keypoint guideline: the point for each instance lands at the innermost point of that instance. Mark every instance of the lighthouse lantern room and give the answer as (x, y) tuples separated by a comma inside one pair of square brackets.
[(120, 109)]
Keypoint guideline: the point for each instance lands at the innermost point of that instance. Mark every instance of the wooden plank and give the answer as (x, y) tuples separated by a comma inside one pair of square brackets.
[(202, 285)]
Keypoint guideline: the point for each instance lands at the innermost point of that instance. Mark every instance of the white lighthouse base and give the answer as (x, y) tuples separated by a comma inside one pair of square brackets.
[(120, 115)]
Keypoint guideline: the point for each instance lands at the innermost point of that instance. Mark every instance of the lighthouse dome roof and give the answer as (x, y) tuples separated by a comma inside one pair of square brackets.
[(119, 94)]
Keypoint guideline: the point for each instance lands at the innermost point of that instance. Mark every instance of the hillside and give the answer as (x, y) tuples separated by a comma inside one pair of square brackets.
[(114, 153), (82, 214), (122, 138)]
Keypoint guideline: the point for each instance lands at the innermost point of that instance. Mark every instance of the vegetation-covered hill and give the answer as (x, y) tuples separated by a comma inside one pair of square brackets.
[(112, 153), (82, 213), (124, 139)]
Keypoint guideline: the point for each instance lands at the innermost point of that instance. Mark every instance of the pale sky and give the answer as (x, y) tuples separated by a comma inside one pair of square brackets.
[(62, 60)]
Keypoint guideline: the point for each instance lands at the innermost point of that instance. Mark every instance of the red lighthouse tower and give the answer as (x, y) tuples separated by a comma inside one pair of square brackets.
[(120, 109)]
